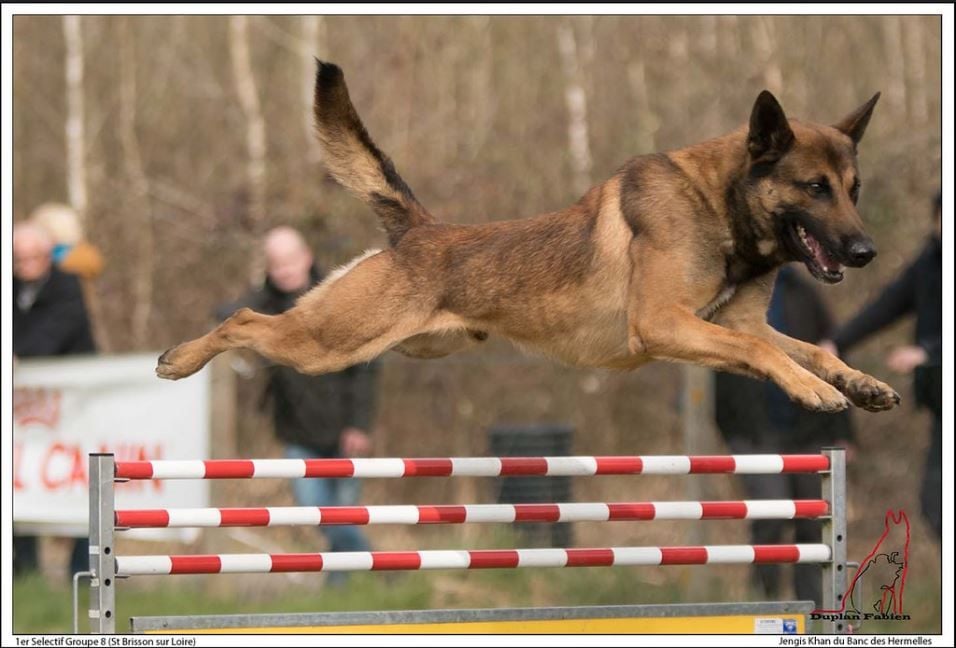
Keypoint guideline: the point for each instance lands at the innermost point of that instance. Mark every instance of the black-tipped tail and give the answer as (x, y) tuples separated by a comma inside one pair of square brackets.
[(353, 159)]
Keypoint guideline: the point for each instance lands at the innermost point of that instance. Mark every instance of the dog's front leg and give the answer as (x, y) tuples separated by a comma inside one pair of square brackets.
[(747, 315), (863, 390), (662, 324), (673, 333)]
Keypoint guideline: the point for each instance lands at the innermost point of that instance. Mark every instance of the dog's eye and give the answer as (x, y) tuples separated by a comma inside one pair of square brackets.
[(818, 187)]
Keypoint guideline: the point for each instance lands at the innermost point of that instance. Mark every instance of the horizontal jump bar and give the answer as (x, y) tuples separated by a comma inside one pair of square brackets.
[(766, 464), (470, 513), (481, 559)]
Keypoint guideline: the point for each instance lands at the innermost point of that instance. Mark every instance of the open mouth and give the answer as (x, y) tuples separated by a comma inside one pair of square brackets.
[(819, 261)]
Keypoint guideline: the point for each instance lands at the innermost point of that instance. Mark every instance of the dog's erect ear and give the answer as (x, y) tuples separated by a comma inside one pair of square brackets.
[(770, 135), (855, 123)]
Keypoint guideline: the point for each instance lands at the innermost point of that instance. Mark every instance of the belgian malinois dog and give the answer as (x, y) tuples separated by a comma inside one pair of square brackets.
[(673, 258)]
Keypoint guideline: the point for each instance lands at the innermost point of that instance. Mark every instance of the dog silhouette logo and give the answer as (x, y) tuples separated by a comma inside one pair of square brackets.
[(876, 589)]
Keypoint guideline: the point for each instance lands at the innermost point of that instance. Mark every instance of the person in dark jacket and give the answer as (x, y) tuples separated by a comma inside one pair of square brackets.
[(324, 416), (756, 417), (917, 291), (49, 319)]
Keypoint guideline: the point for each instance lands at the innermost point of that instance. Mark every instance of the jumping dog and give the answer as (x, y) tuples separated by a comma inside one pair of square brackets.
[(673, 258)]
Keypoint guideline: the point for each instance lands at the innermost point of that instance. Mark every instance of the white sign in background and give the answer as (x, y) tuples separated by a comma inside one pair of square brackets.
[(66, 408)]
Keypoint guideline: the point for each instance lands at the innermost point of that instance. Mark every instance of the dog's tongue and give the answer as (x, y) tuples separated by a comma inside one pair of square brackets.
[(823, 259)]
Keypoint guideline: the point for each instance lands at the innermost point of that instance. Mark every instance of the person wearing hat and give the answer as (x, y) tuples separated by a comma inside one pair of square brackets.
[(71, 251), (49, 319)]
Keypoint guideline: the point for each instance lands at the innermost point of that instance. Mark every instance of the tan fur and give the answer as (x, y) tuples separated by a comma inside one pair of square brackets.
[(672, 258), (316, 294)]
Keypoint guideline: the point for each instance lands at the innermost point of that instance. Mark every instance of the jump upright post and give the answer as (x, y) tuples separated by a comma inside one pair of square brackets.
[(107, 566)]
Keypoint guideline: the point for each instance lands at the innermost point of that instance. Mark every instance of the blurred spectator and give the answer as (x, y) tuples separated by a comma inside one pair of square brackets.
[(917, 291), (71, 252), (49, 319), (756, 417), (314, 416)]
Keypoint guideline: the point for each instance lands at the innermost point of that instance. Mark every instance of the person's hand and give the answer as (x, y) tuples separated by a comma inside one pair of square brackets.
[(355, 443), (829, 347), (906, 358)]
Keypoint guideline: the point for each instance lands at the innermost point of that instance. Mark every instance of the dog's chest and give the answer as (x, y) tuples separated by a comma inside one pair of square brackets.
[(726, 293)]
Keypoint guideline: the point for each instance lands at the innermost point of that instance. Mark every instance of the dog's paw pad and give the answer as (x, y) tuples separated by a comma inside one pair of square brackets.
[(871, 394)]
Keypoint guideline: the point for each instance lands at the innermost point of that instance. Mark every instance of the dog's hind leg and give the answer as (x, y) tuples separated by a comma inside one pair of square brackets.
[(349, 319), (237, 332)]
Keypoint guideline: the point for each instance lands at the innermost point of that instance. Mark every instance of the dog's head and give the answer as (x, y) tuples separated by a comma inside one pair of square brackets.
[(804, 183)]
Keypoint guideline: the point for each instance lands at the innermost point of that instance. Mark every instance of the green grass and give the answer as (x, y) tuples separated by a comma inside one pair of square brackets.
[(40, 607)]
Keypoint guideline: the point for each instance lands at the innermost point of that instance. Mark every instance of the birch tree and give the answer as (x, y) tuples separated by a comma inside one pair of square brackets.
[(76, 168), (75, 132), (895, 71), (765, 42), (138, 203), (312, 44), (255, 124), (915, 63), (576, 101)]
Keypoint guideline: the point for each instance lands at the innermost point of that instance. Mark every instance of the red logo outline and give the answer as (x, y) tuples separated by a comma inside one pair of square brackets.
[(891, 595)]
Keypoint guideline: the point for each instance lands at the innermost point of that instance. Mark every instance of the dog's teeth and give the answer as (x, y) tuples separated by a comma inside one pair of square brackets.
[(802, 233)]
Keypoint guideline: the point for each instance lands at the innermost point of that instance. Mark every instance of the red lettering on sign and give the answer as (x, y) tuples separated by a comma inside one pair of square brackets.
[(53, 455), (63, 467)]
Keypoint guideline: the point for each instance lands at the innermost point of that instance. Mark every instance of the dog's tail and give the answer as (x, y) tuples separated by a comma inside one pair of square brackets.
[(355, 161)]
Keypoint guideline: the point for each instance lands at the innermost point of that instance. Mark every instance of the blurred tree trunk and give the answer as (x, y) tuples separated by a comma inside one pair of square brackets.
[(255, 124), (765, 42), (797, 90), (728, 35), (137, 207), (709, 36), (678, 99), (708, 44), (481, 100), (895, 71), (76, 176), (913, 35), (648, 122), (75, 126), (313, 42), (576, 100), (813, 33)]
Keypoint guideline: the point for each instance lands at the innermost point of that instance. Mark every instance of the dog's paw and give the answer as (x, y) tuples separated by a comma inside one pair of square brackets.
[(817, 395), (824, 400), (868, 392), (173, 364), (165, 368)]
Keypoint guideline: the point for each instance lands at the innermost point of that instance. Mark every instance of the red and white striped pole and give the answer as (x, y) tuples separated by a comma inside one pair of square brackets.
[(767, 464), (472, 513), (483, 559)]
